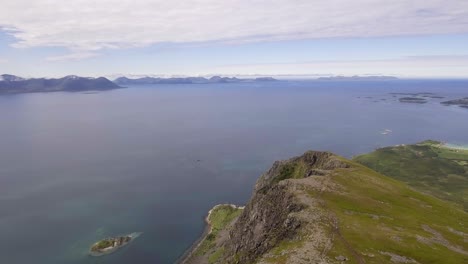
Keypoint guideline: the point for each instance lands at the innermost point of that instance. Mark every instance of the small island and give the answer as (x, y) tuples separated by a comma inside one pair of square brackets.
[(423, 94), (111, 244), (463, 102), (414, 100)]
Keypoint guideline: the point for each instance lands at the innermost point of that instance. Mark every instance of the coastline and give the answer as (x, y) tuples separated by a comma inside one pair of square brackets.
[(207, 230), (455, 146), (452, 146)]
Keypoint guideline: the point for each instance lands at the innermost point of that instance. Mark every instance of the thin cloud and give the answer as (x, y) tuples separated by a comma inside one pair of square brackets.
[(416, 66), (89, 25), (461, 59), (73, 56)]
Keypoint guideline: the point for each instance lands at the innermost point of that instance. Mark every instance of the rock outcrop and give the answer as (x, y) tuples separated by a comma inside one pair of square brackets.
[(269, 217)]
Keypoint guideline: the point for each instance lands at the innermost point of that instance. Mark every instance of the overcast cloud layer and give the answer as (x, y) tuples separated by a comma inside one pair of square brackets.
[(86, 26)]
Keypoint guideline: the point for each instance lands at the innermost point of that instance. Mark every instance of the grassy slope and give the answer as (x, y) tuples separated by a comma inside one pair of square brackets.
[(219, 218), (377, 214), (428, 166)]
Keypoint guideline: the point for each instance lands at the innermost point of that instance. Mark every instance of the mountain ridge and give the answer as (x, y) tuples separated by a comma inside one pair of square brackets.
[(322, 208)]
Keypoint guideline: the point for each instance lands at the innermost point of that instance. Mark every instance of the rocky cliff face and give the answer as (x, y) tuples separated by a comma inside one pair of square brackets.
[(272, 216)]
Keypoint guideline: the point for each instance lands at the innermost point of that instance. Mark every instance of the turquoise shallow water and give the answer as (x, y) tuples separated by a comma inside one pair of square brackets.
[(457, 146), (75, 168)]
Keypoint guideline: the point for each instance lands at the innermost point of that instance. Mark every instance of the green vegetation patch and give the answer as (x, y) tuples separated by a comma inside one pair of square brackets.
[(220, 217), (378, 216), (428, 166), (291, 170), (102, 244), (280, 253), (213, 258)]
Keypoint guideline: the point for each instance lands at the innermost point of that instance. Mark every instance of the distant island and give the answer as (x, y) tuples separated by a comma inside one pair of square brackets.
[(414, 100), (187, 80), (423, 94), (109, 245), (463, 102), (358, 78), (11, 84)]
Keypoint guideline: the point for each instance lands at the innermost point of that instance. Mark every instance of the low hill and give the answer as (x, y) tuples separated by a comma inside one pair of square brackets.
[(10, 84), (322, 208), (429, 166)]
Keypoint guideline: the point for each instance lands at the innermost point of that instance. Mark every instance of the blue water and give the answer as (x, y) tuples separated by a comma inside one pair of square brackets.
[(75, 167)]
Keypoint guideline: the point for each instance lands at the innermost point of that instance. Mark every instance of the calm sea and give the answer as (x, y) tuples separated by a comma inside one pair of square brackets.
[(77, 167)]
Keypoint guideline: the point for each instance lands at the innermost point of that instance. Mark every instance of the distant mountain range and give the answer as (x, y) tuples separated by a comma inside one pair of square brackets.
[(11, 84), (187, 80), (358, 78)]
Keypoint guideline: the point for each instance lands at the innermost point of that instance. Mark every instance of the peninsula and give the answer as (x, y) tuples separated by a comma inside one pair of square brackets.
[(432, 167)]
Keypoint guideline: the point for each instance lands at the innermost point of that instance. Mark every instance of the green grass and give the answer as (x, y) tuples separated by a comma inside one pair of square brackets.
[(222, 216), (102, 244), (377, 214), (428, 166), (278, 253), (291, 170), (213, 258), (219, 218)]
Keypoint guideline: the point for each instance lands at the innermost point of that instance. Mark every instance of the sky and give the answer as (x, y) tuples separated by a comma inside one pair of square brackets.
[(405, 38)]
